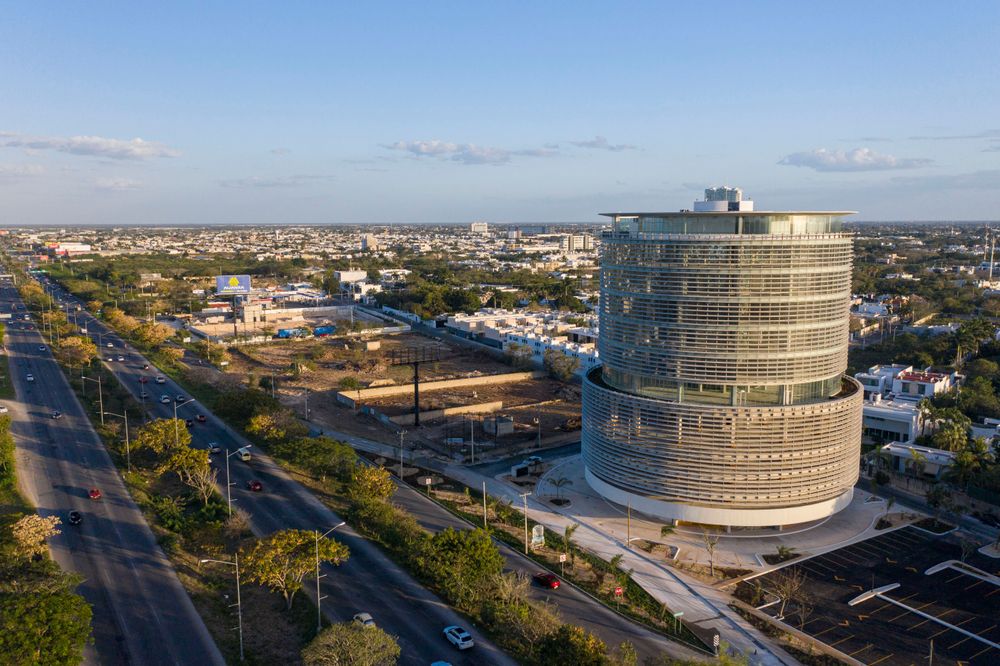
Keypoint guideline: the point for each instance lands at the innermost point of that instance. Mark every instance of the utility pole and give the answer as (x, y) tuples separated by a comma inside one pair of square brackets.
[(628, 523), (239, 601), (524, 496), (100, 394), (472, 436)]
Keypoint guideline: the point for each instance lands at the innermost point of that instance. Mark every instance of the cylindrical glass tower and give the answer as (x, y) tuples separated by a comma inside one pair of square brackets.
[(722, 398)]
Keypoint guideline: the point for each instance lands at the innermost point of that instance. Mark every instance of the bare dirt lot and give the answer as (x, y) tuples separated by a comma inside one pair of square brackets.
[(318, 369)]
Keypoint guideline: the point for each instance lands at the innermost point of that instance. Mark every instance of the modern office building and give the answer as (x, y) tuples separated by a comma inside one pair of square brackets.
[(721, 398)]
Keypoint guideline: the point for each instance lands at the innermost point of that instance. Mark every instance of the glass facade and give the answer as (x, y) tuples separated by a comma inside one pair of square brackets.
[(724, 341)]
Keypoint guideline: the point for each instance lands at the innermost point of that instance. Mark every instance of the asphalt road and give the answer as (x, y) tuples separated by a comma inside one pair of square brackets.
[(369, 581), (139, 606), (573, 605)]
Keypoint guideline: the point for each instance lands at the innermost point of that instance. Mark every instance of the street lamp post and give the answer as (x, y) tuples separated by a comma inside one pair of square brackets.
[(100, 394), (524, 496), (128, 453), (229, 486), (319, 597), (239, 602), (402, 433)]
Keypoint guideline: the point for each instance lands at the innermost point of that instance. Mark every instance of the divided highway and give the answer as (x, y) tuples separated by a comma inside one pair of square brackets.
[(142, 614), (368, 582)]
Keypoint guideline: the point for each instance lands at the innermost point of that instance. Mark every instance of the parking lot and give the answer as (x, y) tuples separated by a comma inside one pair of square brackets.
[(958, 610)]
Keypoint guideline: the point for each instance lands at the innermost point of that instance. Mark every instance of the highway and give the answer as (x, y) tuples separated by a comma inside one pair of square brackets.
[(369, 581), (140, 607)]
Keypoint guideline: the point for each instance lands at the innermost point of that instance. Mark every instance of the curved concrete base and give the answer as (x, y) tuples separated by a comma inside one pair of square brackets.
[(719, 516)]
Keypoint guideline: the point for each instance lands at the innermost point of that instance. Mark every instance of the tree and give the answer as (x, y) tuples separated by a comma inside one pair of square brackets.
[(560, 483), (282, 560), (76, 351), (320, 455), (372, 483), (463, 564), (186, 462), (787, 584), (937, 497), (49, 627), (512, 614), (559, 365), (30, 533), (161, 436), (518, 356), (710, 540), (152, 334), (568, 532), (349, 644), (572, 646)]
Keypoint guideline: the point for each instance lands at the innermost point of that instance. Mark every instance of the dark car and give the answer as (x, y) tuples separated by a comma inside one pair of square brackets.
[(95, 494), (189, 423), (181, 398), (547, 580), (143, 379), (57, 415), (255, 486), (74, 518), (200, 418), (145, 366)]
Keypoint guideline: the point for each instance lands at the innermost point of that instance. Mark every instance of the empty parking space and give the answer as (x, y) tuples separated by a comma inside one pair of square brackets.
[(955, 610)]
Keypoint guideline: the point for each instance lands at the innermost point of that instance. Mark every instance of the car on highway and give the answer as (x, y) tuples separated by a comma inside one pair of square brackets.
[(255, 485), (121, 358), (165, 399), (57, 414), (244, 454), (143, 395), (41, 347), (365, 620), (3, 409), (161, 380), (143, 379), (29, 377), (200, 418), (213, 447), (95, 494), (189, 423), (547, 580), (145, 366), (74, 518), (111, 344), (181, 398), (459, 637)]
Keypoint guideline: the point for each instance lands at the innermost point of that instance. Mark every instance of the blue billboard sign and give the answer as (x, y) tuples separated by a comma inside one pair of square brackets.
[(229, 285)]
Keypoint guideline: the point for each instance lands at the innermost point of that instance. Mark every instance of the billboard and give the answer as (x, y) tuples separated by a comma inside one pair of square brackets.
[(229, 285)]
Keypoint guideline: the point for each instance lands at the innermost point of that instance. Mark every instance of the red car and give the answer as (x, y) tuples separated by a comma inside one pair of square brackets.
[(200, 418), (255, 486), (143, 380), (94, 494), (546, 579)]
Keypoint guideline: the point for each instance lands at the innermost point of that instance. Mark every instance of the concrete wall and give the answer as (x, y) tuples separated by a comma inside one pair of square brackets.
[(350, 398), (430, 415)]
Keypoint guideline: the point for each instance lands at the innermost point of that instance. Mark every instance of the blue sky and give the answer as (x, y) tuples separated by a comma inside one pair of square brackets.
[(172, 112)]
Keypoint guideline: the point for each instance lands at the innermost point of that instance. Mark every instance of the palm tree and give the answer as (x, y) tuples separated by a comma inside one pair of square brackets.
[(559, 484)]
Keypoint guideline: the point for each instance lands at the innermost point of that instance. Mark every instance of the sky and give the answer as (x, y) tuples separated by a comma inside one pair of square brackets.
[(448, 112)]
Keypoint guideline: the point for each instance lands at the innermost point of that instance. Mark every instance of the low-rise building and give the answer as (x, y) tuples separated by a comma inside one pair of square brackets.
[(885, 421)]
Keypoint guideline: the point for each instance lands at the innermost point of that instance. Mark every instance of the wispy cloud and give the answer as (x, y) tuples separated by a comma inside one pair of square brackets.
[(466, 153), (117, 184), (995, 148), (93, 146), (601, 143), (260, 182), (859, 159), (987, 179), (985, 134), (20, 170), (280, 151)]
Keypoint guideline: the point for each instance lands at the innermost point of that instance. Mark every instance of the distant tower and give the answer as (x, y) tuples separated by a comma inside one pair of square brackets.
[(722, 397)]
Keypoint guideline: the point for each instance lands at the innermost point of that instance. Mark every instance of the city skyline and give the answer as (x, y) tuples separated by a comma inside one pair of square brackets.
[(446, 114)]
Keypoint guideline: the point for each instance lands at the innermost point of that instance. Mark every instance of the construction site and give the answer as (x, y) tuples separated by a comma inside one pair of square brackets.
[(467, 400)]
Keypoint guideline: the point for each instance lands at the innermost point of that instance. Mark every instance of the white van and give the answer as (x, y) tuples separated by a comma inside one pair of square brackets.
[(244, 454)]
